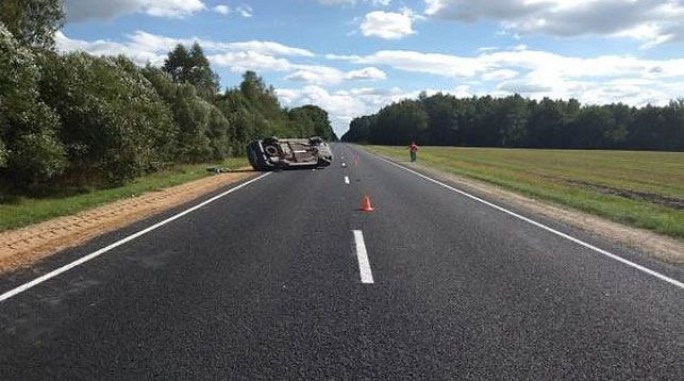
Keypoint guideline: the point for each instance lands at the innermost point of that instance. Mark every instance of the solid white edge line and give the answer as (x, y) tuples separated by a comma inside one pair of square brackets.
[(362, 255), (616, 257), (346, 180), (78, 262)]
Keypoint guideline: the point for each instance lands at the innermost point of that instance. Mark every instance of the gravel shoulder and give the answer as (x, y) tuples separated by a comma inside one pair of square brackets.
[(25, 246)]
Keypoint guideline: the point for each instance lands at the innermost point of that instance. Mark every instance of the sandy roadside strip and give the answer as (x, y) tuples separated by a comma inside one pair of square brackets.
[(25, 246), (655, 245)]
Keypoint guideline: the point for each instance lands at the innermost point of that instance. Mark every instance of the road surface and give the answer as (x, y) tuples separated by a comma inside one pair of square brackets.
[(284, 278)]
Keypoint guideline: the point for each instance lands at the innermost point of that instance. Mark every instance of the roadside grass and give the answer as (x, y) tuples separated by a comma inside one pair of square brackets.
[(23, 211), (640, 189)]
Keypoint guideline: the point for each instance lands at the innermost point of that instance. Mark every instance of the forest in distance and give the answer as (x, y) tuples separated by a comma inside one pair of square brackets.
[(518, 122)]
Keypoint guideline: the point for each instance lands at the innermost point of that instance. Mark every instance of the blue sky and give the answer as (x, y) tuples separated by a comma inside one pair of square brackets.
[(352, 57)]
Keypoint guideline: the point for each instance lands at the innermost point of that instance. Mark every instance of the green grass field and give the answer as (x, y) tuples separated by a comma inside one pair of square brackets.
[(641, 189), (26, 211)]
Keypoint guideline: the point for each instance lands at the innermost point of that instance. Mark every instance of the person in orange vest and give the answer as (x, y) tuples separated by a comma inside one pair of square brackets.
[(413, 151)]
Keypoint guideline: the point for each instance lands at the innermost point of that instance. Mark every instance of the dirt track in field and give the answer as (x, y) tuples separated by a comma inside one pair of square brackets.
[(28, 245)]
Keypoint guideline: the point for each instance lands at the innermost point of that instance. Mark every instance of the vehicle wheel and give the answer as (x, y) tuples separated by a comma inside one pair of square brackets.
[(271, 150)]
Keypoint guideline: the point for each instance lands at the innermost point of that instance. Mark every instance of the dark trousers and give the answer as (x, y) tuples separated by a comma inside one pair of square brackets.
[(413, 156)]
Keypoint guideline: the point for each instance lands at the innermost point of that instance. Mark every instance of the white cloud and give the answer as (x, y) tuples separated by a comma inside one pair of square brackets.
[(242, 10), (537, 74), (650, 34), (650, 21), (316, 74), (267, 47), (144, 41), (325, 75), (388, 25), (341, 57), (375, 3), (105, 47), (308, 76), (222, 9), (418, 62), (336, 2), (499, 75), (367, 74), (463, 67), (80, 10), (156, 43), (250, 60), (342, 105), (245, 11), (524, 87), (142, 46), (261, 56), (173, 8)]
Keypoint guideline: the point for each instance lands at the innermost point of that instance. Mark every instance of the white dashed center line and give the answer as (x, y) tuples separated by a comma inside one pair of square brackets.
[(362, 255), (346, 180)]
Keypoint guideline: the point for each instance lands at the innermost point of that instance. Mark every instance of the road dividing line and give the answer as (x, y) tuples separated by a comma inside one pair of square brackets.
[(89, 257), (362, 255), (346, 180), (578, 241)]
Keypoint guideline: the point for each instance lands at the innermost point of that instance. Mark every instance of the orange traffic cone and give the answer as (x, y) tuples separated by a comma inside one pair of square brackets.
[(366, 205)]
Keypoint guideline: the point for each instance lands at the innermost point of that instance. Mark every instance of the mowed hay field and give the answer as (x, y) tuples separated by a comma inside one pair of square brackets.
[(642, 189)]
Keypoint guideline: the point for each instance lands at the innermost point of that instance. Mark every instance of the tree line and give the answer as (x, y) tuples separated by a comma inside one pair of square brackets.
[(76, 120), (517, 122)]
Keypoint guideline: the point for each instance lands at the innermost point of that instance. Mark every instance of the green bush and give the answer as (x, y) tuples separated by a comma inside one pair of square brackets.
[(192, 116), (3, 154), (39, 154), (219, 128), (241, 121), (115, 125), (163, 130), (204, 131), (30, 152)]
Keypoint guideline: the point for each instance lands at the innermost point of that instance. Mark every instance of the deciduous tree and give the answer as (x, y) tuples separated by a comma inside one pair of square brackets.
[(192, 66), (32, 22), (29, 148)]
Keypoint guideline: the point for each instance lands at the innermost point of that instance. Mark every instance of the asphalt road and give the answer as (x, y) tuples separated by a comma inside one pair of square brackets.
[(266, 283)]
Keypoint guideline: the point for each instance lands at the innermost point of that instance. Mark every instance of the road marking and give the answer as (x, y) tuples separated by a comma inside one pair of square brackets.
[(578, 241), (89, 257), (362, 255), (346, 180)]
